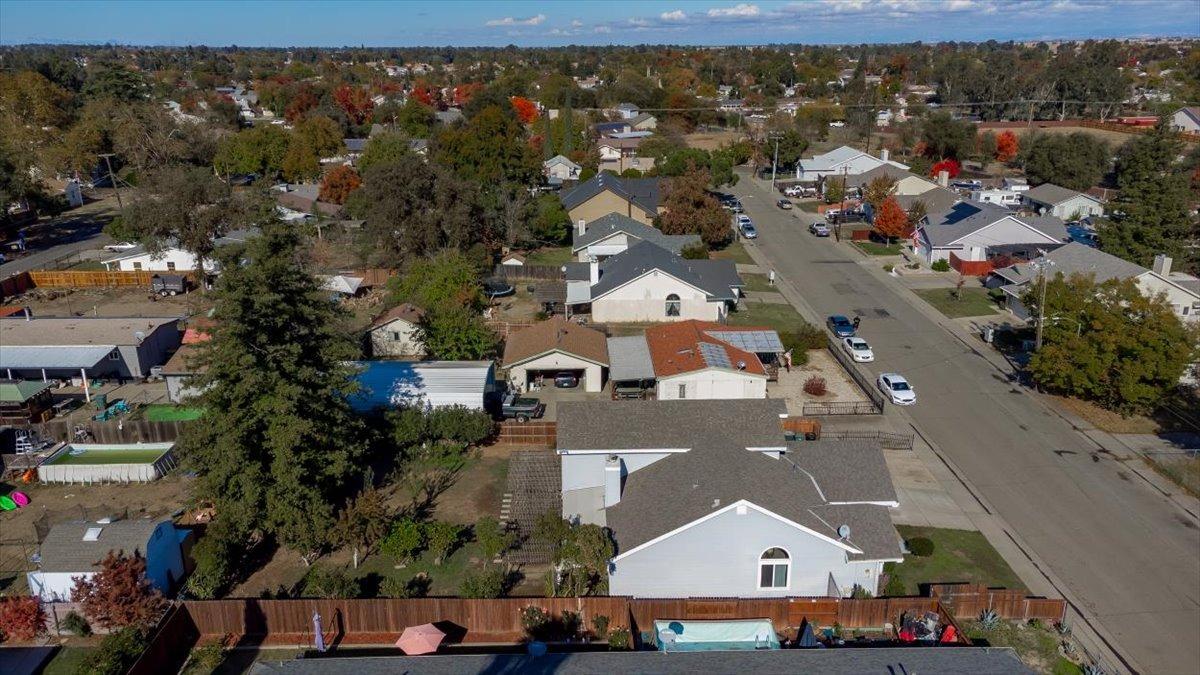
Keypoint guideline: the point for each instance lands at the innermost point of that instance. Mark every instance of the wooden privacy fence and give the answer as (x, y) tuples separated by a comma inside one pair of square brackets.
[(512, 273), (169, 645), (801, 426), (114, 431), (533, 434), (968, 601), (80, 279), (15, 285)]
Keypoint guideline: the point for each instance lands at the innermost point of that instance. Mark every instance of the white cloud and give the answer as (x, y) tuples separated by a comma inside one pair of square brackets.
[(677, 15), (641, 23), (576, 23), (512, 21), (603, 29), (739, 10)]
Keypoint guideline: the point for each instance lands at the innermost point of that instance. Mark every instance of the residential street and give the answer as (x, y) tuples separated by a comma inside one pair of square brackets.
[(72, 232), (1113, 543)]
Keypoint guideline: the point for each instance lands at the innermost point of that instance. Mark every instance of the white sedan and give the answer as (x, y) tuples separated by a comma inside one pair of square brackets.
[(858, 349), (120, 246), (897, 388)]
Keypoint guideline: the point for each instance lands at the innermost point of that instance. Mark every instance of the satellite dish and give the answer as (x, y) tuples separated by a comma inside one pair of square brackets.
[(844, 531)]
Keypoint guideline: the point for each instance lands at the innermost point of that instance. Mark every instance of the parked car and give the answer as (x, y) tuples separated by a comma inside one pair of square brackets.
[(119, 246), (748, 230), (168, 284), (521, 409), (858, 349), (897, 388), (840, 326), (819, 229), (566, 380), (785, 204), (800, 191), (968, 184)]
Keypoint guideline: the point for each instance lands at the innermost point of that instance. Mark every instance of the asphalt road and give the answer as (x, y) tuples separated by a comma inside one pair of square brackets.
[(1129, 554), (73, 232)]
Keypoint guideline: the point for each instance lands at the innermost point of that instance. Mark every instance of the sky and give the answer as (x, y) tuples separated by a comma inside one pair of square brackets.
[(319, 23)]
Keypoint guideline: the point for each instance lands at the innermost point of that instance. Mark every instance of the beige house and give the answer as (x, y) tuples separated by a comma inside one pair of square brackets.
[(394, 333), (605, 193)]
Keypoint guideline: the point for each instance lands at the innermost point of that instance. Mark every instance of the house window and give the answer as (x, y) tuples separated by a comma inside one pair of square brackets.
[(114, 355), (137, 267), (395, 335), (773, 568), (683, 390), (673, 305), (171, 266)]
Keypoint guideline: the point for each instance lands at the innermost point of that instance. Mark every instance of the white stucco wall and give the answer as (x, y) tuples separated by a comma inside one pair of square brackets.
[(1180, 121), (1179, 299), (581, 471), (720, 558), (396, 338), (1082, 205), (612, 245), (593, 379), (183, 262), (713, 384), (645, 299)]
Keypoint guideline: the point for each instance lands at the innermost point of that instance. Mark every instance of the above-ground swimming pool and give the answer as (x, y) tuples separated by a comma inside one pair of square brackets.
[(707, 636), (107, 463)]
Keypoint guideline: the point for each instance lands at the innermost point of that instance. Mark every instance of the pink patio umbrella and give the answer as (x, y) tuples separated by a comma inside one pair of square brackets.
[(423, 639)]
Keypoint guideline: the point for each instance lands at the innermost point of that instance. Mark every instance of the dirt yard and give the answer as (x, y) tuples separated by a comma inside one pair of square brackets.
[(112, 301), (521, 307), (711, 140), (839, 386)]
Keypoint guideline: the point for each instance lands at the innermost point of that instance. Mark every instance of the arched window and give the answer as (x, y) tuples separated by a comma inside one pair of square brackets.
[(673, 305), (774, 566)]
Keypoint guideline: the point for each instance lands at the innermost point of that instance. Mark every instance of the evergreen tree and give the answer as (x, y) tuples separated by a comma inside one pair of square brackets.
[(1150, 213), (279, 443)]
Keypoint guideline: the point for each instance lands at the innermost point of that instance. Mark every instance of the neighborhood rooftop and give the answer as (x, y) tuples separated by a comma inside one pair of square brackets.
[(717, 278), (612, 223), (641, 425), (644, 192), (965, 218), (78, 545), (71, 331)]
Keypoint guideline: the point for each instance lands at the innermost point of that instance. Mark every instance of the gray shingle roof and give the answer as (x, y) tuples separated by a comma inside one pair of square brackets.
[(64, 549), (632, 425), (642, 192), (717, 278), (1049, 193), (967, 217), (936, 200), (607, 225), (719, 471), (842, 661), (1074, 258)]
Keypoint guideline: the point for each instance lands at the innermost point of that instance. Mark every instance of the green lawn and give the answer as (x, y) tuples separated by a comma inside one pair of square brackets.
[(974, 302), (131, 456), (875, 248), (549, 256), (780, 317), (757, 282), (735, 252), (958, 556), (67, 661), (444, 579), (161, 412)]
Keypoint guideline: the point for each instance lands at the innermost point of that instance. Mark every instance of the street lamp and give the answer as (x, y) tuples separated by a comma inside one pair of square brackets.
[(775, 161)]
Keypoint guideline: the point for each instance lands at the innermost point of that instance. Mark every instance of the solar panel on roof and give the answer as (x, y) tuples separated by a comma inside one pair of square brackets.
[(715, 355), (756, 341)]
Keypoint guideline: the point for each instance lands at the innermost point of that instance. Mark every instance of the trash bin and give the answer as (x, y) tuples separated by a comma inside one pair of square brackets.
[(989, 334), (100, 401)]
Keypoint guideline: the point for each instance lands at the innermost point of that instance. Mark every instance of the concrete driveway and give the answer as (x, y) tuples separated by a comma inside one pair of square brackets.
[(1074, 517)]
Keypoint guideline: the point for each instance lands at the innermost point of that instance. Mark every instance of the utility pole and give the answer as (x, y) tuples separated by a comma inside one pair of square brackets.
[(775, 162), (113, 179), (1037, 342)]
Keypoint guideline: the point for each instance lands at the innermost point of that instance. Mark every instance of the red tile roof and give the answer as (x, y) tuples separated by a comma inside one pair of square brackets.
[(675, 347)]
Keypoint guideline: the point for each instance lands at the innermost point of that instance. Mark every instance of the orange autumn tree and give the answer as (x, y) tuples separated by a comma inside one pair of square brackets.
[(891, 221), (338, 184), (1007, 146), (527, 110), (355, 102)]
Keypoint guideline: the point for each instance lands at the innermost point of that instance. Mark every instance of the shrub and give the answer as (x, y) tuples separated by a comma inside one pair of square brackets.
[(600, 625), (860, 593), (989, 620), (207, 659), (330, 583), (815, 386), (895, 586), (395, 587), (492, 538), (461, 424), (116, 653), (888, 268), (922, 547), (119, 594), (21, 618), (620, 639), (535, 620), (76, 624), (697, 251), (940, 266), (404, 541), (806, 337), (484, 582)]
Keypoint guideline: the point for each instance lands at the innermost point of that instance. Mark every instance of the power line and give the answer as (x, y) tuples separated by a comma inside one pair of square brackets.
[(967, 104)]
